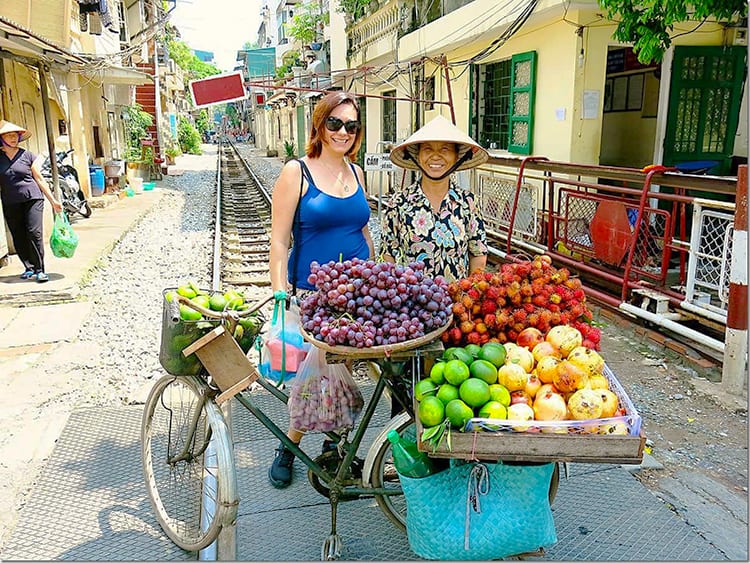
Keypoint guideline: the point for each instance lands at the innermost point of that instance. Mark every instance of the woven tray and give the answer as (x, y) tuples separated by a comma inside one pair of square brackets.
[(375, 351)]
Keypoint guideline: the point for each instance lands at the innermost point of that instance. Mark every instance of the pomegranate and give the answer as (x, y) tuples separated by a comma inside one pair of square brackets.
[(588, 359), (610, 402), (550, 406), (548, 388), (520, 397), (565, 338), (522, 356), (598, 381), (569, 377), (544, 349), (585, 404), (512, 376), (532, 385), (529, 337), (522, 412), (618, 428), (546, 367)]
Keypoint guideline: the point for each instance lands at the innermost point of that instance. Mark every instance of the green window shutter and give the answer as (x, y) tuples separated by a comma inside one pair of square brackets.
[(522, 86)]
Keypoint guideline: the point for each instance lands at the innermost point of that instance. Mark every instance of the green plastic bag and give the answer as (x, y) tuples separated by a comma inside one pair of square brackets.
[(63, 240)]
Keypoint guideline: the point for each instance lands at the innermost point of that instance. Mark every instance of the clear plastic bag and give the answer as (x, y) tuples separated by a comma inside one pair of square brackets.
[(324, 397), (283, 348), (63, 241)]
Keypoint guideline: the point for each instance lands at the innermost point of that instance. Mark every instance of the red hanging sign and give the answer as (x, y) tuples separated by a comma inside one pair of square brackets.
[(217, 89)]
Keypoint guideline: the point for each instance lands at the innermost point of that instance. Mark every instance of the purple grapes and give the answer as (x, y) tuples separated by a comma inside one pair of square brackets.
[(363, 303)]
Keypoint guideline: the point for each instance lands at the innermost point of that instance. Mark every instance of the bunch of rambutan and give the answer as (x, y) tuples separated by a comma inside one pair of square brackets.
[(496, 307)]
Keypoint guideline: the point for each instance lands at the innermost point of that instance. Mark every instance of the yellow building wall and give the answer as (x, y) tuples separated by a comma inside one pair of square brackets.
[(50, 19), (18, 11)]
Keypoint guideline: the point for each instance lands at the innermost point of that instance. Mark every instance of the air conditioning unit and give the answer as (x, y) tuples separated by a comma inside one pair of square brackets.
[(738, 35)]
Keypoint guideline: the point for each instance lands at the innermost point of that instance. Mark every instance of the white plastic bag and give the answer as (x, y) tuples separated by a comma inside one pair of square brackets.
[(324, 397)]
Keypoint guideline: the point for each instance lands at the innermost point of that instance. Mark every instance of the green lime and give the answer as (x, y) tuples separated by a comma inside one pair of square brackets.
[(474, 392), (484, 370), (493, 409), (169, 295), (423, 388), (217, 302), (493, 353), (473, 349), (458, 354), (431, 411), (186, 291), (436, 373), (456, 372), (201, 300), (447, 392), (458, 413), (500, 394), (189, 314)]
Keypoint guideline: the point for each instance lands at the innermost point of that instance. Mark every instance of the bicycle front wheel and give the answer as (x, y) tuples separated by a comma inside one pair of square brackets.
[(188, 462)]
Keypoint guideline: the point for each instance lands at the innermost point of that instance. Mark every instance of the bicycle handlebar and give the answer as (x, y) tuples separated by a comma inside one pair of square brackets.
[(210, 313)]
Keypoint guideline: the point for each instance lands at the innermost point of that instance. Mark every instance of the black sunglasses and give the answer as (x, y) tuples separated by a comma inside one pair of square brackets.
[(334, 124)]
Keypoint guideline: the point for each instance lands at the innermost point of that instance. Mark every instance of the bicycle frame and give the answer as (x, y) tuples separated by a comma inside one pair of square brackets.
[(336, 481)]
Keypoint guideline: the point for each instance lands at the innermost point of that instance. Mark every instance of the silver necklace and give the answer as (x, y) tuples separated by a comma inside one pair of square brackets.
[(336, 176)]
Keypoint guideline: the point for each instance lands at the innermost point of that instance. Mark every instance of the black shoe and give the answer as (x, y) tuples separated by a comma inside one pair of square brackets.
[(280, 472)]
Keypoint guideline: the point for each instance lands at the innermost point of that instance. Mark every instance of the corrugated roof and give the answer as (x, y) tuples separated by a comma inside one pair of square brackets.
[(21, 41)]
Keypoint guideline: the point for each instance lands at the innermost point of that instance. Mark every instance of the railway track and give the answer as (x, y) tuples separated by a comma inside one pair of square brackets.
[(243, 227)]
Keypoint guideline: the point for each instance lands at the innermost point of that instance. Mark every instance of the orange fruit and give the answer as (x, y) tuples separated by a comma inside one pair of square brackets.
[(423, 388)]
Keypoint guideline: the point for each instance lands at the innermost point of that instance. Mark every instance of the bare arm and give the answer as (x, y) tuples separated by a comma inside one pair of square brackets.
[(283, 206), (42, 183), (366, 229), (477, 263)]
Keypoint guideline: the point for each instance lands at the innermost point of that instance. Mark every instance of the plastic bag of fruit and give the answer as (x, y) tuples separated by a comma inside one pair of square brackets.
[(324, 397), (283, 347)]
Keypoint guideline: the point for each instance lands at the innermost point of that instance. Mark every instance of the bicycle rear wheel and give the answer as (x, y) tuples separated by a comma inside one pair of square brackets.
[(188, 462), (379, 470)]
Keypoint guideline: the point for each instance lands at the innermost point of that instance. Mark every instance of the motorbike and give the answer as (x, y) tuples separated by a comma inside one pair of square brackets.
[(73, 199)]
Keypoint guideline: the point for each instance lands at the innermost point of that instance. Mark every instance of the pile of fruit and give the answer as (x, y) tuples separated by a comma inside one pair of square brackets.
[(363, 303), (550, 378), (496, 307)]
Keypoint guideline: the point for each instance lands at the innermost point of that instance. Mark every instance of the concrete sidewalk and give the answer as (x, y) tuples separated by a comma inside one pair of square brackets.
[(97, 236)]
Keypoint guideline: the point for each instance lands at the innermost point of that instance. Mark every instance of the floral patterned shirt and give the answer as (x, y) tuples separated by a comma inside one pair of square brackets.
[(444, 241)]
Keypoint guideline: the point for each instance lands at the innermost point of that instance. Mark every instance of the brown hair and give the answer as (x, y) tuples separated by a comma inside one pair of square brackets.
[(321, 112)]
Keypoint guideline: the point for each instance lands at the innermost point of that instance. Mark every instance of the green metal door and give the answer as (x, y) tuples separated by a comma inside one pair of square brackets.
[(704, 103)]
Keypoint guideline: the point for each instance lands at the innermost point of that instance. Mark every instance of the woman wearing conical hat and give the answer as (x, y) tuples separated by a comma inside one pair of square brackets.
[(22, 190), (434, 220)]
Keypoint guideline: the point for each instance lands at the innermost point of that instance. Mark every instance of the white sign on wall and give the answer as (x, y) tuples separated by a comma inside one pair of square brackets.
[(378, 162)]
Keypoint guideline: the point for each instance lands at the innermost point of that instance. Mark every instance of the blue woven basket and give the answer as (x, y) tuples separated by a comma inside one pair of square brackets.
[(507, 508)]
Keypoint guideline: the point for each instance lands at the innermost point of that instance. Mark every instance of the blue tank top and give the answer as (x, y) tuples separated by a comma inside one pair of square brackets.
[(329, 228)]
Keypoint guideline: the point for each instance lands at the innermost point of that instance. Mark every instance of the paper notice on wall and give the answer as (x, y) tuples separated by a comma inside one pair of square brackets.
[(590, 104)]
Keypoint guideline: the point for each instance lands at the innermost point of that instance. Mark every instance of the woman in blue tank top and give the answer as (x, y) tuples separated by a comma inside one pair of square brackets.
[(331, 219)]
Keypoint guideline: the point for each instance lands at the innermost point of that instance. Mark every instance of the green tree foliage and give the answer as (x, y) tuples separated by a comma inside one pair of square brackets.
[(184, 57), (354, 8), (307, 22), (137, 123), (250, 45), (201, 122), (233, 115), (188, 136), (648, 24)]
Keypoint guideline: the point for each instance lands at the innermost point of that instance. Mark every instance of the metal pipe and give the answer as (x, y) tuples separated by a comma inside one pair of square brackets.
[(677, 328), (714, 316), (50, 133), (734, 369)]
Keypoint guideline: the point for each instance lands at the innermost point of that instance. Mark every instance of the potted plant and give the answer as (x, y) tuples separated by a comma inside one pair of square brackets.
[(138, 158), (290, 151), (307, 24), (172, 153)]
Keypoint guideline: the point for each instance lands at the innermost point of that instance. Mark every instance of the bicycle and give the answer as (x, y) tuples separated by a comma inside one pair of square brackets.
[(187, 452), (188, 458)]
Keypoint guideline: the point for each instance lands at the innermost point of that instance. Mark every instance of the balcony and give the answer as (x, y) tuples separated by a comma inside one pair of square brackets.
[(373, 35)]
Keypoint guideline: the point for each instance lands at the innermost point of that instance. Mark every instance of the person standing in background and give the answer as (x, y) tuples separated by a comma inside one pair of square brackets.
[(22, 190), (320, 201)]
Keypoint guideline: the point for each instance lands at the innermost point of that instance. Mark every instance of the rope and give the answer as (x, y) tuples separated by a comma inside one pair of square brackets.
[(478, 484)]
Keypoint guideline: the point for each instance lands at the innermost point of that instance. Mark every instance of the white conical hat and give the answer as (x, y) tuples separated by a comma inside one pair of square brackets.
[(8, 127), (438, 129)]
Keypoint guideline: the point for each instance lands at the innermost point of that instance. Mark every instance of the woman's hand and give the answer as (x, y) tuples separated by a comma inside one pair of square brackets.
[(56, 205)]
